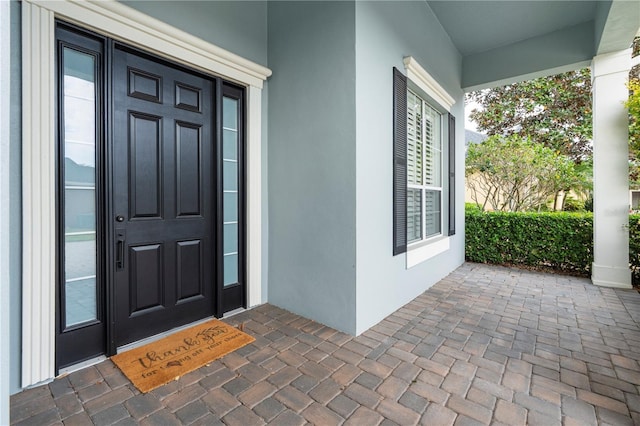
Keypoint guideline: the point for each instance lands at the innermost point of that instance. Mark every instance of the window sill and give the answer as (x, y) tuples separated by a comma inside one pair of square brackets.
[(424, 251)]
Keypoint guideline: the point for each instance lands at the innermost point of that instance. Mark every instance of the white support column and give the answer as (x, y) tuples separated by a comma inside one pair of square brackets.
[(610, 73)]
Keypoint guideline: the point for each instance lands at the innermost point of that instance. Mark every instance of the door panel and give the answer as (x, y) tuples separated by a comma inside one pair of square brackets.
[(145, 159), (144, 85), (163, 188), (188, 173), (189, 270), (145, 279)]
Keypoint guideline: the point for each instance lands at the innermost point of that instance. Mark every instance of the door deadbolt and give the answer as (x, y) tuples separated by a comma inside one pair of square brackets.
[(119, 218)]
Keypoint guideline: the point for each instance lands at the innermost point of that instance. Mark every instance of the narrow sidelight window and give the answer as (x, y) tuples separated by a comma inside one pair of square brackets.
[(78, 146), (230, 184)]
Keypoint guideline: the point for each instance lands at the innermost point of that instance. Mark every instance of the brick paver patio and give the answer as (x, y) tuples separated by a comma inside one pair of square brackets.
[(486, 345)]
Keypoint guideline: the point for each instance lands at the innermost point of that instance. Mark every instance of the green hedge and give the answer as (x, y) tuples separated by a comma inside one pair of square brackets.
[(557, 241)]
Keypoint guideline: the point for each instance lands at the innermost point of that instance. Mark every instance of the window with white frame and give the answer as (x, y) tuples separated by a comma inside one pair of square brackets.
[(423, 165), (424, 169)]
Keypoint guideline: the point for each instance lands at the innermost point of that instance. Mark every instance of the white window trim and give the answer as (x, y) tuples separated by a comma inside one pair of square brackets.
[(38, 148), (426, 250), (420, 77), (422, 250)]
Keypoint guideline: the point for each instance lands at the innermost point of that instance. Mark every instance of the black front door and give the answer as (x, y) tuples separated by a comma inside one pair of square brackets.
[(163, 195), (150, 195)]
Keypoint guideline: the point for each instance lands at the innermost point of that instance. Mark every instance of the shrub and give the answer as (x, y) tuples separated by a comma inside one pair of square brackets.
[(554, 241), (472, 207), (634, 247), (588, 204), (557, 241), (573, 205)]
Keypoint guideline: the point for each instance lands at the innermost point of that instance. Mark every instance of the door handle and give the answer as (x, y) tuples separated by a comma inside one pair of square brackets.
[(120, 239)]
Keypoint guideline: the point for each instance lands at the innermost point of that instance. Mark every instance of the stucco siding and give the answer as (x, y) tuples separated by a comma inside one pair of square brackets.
[(312, 220), (385, 33), (237, 26)]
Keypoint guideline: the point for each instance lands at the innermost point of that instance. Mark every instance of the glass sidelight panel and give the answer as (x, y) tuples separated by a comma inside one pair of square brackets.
[(79, 177), (230, 199)]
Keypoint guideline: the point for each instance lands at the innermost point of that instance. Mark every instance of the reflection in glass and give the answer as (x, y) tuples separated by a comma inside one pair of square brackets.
[(433, 146), (230, 144), (230, 178), (414, 214), (231, 240), (230, 189), (414, 139), (230, 269), (230, 113), (230, 211), (79, 148), (432, 206)]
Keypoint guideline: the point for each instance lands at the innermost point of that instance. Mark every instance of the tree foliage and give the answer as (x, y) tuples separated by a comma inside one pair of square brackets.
[(635, 51), (634, 115), (634, 119), (554, 111), (515, 174)]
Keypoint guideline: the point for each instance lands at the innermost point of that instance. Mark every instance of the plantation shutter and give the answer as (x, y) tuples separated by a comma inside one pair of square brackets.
[(399, 162), (415, 162), (415, 156), (452, 175)]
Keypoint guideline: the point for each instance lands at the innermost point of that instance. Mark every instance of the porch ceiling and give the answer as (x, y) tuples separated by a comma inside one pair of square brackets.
[(479, 26), (505, 41)]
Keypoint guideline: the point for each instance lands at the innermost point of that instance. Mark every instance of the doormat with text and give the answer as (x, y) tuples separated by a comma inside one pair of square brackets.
[(160, 362)]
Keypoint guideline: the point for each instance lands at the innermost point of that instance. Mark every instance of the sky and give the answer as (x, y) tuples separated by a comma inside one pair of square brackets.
[(468, 124)]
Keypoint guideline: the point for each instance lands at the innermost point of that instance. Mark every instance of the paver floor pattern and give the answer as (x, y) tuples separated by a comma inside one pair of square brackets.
[(486, 345)]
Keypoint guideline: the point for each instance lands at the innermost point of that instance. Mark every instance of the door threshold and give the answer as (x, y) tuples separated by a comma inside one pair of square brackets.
[(159, 336), (234, 312), (79, 366)]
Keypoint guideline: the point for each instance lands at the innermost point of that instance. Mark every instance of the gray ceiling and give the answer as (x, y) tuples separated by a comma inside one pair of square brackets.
[(479, 26)]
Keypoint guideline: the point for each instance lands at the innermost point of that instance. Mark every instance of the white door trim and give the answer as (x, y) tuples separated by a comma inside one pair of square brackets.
[(38, 195), (123, 23), (120, 22)]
